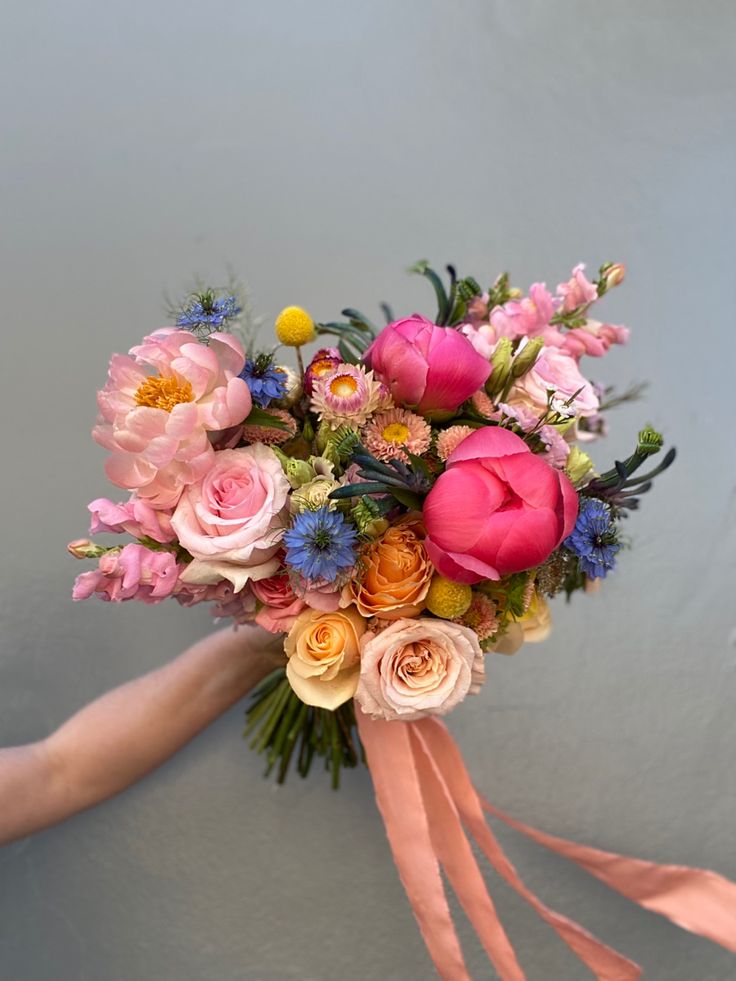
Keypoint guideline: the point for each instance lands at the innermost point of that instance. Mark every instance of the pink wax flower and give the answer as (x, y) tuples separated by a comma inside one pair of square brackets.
[(497, 509), (156, 424), (427, 368), (132, 573), (136, 517), (281, 606), (233, 519), (577, 290)]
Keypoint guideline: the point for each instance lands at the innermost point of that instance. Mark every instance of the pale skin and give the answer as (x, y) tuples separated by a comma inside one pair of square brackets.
[(120, 737)]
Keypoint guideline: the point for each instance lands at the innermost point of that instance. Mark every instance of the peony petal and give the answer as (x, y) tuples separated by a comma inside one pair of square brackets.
[(490, 441)]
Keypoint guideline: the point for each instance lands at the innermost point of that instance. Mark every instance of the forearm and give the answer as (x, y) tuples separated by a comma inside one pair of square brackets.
[(116, 740)]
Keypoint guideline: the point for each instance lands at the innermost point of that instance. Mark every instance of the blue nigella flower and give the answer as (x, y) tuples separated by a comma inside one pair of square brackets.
[(320, 544), (207, 311), (264, 381), (594, 539)]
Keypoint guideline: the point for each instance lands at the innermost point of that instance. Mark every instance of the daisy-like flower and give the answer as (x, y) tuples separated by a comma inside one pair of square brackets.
[(480, 616), (449, 440), (389, 434), (594, 540), (348, 396), (320, 544), (270, 435)]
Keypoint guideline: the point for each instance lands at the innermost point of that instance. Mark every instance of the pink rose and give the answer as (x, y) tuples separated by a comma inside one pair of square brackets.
[(281, 606), (136, 517), (557, 371), (417, 667), (497, 509), (428, 368), (132, 573), (233, 519), (159, 404)]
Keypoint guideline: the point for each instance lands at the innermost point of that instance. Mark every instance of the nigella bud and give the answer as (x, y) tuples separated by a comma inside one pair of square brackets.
[(526, 358)]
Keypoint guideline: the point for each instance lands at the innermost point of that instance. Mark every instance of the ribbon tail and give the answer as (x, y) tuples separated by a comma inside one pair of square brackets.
[(454, 852), (697, 900), (604, 962), (400, 801)]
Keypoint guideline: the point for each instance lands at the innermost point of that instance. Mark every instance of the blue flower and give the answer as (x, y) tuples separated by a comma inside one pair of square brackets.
[(594, 539), (320, 544), (207, 311), (264, 381)]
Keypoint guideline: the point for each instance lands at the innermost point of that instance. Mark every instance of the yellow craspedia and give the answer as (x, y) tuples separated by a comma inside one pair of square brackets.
[(448, 599), (294, 327)]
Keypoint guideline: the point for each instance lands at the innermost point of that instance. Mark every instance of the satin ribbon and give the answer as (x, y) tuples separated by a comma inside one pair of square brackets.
[(428, 803)]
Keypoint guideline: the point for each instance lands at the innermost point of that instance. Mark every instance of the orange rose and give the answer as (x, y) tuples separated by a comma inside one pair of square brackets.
[(324, 656), (395, 574)]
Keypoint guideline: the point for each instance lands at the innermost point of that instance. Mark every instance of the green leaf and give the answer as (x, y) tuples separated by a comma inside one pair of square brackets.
[(259, 417), (408, 498), (423, 268)]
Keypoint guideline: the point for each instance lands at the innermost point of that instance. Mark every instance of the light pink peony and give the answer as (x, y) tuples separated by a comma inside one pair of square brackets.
[(233, 519), (281, 606), (497, 509), (417, 667), (557, 371), (133, 573), (427, 368), (136, 517), (156, 424)]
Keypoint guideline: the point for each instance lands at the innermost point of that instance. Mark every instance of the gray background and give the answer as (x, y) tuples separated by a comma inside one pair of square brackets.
[(318, 149)]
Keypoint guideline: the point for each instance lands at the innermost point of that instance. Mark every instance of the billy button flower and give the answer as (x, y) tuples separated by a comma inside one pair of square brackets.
[(294, 327)]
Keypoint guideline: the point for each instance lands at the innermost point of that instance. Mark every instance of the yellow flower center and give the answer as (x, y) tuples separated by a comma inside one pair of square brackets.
[(396, 432), (343, 386), (163, 393)]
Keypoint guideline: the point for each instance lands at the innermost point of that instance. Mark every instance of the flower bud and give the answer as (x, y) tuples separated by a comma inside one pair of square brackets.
[(313, 495), (501, 366), (614, 275), (292, 387), (526, 357), (578, 466), (83, 548), (297, 472)]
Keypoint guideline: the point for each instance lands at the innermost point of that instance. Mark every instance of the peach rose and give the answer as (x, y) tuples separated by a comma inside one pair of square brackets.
[(395, 574), (533, 627), (324, 656), (417, 667)]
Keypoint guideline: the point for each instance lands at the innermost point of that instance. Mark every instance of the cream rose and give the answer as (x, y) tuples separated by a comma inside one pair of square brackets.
[(233, 519), (323, 649), (417, 667)]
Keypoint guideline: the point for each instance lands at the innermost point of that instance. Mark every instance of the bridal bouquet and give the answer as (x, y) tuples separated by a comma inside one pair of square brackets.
[(399, 508)]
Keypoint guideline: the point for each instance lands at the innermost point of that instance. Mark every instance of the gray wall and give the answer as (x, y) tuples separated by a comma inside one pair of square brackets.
[(319, 148)]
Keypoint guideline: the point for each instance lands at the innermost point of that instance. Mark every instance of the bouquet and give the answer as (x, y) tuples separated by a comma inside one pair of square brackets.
[(400, 507)]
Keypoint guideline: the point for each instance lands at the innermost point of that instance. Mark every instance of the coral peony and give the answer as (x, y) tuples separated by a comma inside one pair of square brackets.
[(515, 509), (427, 368), (156, 425)]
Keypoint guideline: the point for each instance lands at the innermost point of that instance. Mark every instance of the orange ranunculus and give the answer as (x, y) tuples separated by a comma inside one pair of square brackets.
[(395, 573)]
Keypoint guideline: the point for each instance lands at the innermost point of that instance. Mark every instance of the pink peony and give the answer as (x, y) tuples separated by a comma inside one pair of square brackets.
[(425, 367), (497, 509), (417, 667), (136, 517), (132, 573), (232, 520), (156, 424), (281, 606)]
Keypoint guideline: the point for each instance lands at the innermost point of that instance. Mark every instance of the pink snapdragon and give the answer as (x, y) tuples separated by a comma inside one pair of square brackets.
[(132, 573), (156, 424), (134, 517), (577, 291), (526, 317)]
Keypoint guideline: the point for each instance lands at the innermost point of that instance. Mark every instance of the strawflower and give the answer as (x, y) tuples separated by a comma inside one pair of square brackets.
[(348, 395)]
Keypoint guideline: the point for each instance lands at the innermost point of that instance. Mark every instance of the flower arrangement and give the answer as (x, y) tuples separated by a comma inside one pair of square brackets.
[(399, 509)]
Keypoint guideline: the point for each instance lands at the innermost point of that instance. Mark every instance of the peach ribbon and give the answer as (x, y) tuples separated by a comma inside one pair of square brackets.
[(427, 802)]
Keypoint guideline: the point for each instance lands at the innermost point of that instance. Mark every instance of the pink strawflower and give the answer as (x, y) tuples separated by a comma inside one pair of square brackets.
[(347, 395), (323, 362), (136, 517), (577, 291), (480, 616), (449, 439), (389, 434), (132, 573), (158, 406), (270, 435)]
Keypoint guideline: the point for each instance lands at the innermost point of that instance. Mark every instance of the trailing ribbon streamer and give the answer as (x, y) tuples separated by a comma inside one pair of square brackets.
[(427, 801)]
